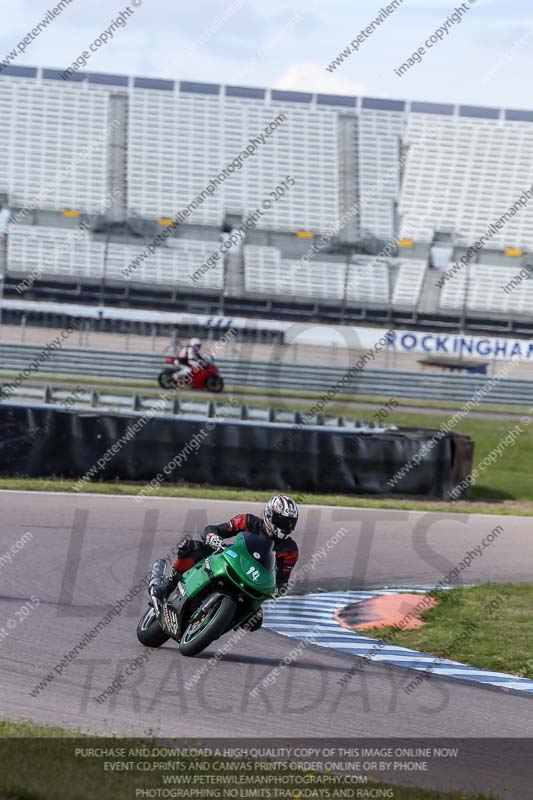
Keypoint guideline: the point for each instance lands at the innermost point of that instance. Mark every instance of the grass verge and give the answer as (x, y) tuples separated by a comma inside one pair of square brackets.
[(10, 729), (38, 765), (488, 626), (261, 496), (292, 399)]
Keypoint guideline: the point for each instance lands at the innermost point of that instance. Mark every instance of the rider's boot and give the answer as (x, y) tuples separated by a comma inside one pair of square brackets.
[(167, 585)]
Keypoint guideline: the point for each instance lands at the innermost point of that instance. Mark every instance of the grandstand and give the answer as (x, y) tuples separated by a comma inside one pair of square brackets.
[(483, 291), (464, 168), (384, 193)]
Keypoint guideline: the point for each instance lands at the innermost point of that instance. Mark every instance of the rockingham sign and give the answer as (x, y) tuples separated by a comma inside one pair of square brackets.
[(432, 344), (460, 345)]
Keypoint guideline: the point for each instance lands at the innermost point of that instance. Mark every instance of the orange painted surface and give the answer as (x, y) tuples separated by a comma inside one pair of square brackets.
[(403, 610)]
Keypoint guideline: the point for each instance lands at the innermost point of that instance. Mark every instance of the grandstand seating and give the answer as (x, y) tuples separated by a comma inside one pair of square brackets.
[(169, 265), (442, 167), (60, 252), (486, 293), (54, 251), (411, 169), (320, 281), (265, 272), (177, 142), (463, 172), (452, 293), (72, 254), (368, 280), (409, 282), (262, 267), (380, 133), (53, 153)]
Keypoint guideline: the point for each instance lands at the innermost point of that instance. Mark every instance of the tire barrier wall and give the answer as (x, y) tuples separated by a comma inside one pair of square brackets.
[(38, 441)]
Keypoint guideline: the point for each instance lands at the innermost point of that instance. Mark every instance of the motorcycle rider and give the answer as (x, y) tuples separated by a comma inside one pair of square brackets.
[(190, 357), (279, 521)]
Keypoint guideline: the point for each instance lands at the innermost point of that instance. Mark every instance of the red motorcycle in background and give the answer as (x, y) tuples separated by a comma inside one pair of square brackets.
[(204, 376)]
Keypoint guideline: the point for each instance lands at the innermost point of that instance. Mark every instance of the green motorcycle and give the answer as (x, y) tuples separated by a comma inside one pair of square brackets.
[(214, 596)]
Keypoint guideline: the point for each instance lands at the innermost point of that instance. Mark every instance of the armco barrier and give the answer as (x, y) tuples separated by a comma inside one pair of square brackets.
[(191, 404), (103, 364), (39, 441)]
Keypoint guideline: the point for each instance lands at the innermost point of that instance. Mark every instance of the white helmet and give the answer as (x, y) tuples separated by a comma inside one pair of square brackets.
[(195, 342), (281, 516)]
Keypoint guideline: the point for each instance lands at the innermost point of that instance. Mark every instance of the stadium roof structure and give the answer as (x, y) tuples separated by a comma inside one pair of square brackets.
[(279, 95)]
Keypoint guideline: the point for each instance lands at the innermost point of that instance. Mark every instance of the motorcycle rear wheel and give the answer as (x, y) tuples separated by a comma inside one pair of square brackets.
[(199, 634), (149, 631)]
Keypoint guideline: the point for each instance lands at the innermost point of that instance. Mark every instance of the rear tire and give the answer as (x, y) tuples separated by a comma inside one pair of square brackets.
[(214, 383), (149, 631), (221, 619), (166, 379)]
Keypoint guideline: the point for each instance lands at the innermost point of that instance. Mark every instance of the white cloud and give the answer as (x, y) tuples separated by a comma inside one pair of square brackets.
[(310, 76)]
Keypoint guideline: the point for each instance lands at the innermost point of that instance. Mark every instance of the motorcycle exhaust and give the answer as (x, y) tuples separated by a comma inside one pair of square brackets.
[(158, 573)]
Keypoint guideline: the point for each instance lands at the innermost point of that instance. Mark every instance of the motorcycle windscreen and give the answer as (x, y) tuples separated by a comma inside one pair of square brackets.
[(261, 549)]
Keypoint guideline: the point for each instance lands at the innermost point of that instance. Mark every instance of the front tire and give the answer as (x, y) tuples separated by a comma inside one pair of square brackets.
[(214, 383), (166, 379), (199, 634), (149, 631)]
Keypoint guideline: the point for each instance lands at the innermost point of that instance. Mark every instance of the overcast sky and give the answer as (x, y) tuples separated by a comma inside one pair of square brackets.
[(487, 59)]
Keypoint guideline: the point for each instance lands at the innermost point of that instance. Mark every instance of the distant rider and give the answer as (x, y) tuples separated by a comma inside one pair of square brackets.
[(279, 521), (190, 358)]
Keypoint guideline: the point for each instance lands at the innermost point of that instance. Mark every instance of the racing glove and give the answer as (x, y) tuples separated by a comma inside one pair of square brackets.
[(215, 541)]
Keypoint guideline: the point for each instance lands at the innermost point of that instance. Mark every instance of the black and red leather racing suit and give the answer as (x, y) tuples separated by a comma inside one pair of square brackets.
[(286, 550)]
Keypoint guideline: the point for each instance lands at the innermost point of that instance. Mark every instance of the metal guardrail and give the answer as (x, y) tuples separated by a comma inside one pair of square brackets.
[(14, 358), (90, 400)]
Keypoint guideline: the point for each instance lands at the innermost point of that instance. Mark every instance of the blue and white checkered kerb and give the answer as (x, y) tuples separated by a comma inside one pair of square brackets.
[(309, 618)]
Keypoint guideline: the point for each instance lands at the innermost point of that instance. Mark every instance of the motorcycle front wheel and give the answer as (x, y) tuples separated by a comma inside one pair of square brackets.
[(207, 624), (166, 379)]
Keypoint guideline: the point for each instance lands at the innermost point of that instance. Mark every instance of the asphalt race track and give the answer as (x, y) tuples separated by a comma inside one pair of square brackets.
[(87, 552)]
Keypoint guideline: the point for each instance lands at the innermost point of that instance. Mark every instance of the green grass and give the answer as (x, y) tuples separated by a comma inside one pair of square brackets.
[(292, 399), (291, 395), (261, 496), (488, 626), (38, 763), (10, 729)]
